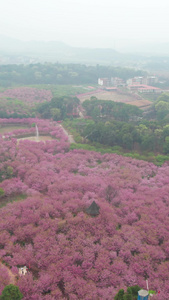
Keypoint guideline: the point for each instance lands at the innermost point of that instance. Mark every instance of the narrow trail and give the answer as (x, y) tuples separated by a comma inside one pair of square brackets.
[(70, 137), (12, 277)]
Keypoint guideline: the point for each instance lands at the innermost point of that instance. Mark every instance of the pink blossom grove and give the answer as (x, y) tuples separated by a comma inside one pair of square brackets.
[(69, 253), (27, 95), (20, 101)]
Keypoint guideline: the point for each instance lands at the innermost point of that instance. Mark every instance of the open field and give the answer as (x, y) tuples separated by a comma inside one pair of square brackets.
[(117, 97), (62, 90), (140, 103), (84, 92)]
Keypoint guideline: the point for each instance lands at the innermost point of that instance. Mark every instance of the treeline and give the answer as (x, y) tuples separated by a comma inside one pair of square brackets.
[(146, 136), (107, 110), (57, 73), (160, 109), (15, 115), (59, 108), (113, 124)]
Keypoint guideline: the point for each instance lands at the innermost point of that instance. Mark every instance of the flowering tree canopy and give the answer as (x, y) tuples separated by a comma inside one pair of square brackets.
[(70, 254)]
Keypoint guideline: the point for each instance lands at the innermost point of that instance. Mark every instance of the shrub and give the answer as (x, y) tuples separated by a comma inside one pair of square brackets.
[(131, 293), (119, 295), (11, 292), (134, 290), (2, 192), (127, 297)]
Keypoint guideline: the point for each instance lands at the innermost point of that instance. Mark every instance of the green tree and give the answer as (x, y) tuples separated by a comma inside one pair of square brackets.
[(166, 130), (55, 113), (1, 192), (142, 129), (127, 141), (95, 113), (162, 109), (131, 294), (11, 292), (9, 171), (166, 145), (119, 295), (163, 97), (127, 297), (133, 290), (148, 142)]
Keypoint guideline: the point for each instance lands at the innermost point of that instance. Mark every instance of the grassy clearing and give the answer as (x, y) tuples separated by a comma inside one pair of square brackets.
[(57, 90), (11, 128), (62, 90)]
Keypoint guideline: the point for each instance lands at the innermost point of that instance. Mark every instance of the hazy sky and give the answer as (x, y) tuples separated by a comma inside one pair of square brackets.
[(92, 23)]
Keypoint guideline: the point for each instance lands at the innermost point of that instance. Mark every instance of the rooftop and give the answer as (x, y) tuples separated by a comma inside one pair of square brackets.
[(93, 209), (144, 86)]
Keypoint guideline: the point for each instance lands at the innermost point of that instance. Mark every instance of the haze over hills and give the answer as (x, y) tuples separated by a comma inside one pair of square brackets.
[(15, 51), (55, 50)]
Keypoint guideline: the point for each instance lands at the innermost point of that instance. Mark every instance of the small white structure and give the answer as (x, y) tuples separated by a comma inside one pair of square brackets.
[(143, 295), (37, 132), (104, 81), (23, 271)]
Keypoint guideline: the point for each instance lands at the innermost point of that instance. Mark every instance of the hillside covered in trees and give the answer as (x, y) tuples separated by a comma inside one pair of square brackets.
[(58, 73), (112, 124)]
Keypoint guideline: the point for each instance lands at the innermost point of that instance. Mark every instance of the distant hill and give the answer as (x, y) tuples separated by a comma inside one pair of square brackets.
[(14, 51), (56, 51)]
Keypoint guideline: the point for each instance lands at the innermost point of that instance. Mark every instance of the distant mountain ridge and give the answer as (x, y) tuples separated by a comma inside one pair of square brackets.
[(14, 51), (56, 50)]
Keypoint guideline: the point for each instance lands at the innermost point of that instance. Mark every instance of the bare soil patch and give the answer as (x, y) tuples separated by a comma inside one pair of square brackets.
[(117, 97), (114, 96), (141, 103), (42, 138)]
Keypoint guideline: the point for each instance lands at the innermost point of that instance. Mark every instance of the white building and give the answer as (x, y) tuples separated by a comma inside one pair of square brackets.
[(104, 81), (147, 80), (23, 271), (116, 81), (142, 88)]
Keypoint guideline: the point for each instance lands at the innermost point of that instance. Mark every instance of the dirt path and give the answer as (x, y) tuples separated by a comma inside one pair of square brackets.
[(70, 137), (11, 275)]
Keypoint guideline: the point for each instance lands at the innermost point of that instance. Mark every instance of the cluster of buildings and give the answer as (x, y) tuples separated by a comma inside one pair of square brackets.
[(143, 88), (147, 80), (113, 81), (136, 84), (143, 84)]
